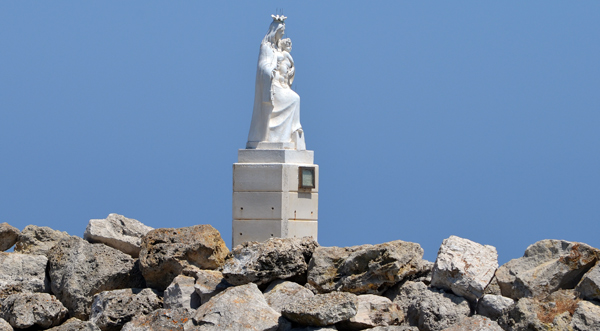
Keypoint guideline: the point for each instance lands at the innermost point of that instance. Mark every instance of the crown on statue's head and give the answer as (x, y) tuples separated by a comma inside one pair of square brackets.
[(279, 18)]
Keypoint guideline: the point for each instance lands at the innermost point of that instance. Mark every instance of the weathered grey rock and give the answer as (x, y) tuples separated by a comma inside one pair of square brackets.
[(4, 326), (522, 316), (181, 294), (366, 269), (586, 317), (112, 309), (237, 308), (78, 270), (546, 266), (322, 309), (8, 236), (494, 306), (281, 292), (162, 320), (75, 324), (589, 286), (428, 308), (464, 267), (166, 252), (315, 328), (209, 283), (277, 258), (23, 273), (475, 323), (117, 231), (38, 239), (493, 287), (373, 310), (424, 273), (23, 310), (395, 328)]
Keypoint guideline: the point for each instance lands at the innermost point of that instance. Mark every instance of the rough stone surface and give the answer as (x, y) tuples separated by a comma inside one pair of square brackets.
[(395, 328), (181, 294), (209, 283), (586, 317), (166, 252), (522, 316), (281, 293), (493, 287), (494, 306), (464, 267), (366, 269), (374, 310), (78, 270), (8, 236), (75, 324), (475, 323), (589, 286), (162, 320), (237, 308), (322, 309), (315, 328), (38, 239), (112, 309), (23, 273), (277, 258), (427, 308), (24, 310), (546, 266), (4, 326), (117, 231)]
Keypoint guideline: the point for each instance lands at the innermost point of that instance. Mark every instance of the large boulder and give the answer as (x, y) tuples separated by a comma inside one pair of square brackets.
[(24, 310), (428, 308), (75, 324), (277, 258), (586, 317), (546, 266), (23, 273), (8, 236), (322, 309), (374, 310), (166, 252), (281, 293), (475, 323), (237, 308), (181, 294), (4, 326), (162, 320), (112, 309), (494, 306), (38, 239), (117, 231), (464, 267), (589, 286), (209, 283), (366, 269), (78, 270)]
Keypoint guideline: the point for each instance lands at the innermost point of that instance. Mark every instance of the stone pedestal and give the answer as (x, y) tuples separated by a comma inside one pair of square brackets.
[(270, 199)]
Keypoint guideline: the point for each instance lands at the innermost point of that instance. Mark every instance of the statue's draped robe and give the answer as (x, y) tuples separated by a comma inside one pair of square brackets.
[(276, 114)]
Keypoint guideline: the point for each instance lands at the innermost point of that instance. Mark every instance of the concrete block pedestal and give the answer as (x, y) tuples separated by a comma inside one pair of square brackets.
[(275, 195)]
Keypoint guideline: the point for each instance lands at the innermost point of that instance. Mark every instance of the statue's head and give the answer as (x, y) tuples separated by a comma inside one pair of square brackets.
[(285, 44), (276, 29)]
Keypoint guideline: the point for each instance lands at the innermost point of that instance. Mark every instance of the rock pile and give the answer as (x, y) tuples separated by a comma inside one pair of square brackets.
[(127, 276)]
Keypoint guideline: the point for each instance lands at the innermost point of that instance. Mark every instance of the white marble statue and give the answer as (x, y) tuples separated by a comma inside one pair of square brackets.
[(276, 114)]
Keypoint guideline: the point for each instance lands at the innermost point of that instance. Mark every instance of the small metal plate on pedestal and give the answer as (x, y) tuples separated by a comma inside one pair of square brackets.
[(306, 177)]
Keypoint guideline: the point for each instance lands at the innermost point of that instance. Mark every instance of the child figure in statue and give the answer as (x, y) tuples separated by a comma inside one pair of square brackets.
[(285, 63)]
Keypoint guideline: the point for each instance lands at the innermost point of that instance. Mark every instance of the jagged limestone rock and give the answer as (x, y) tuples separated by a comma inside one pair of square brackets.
[(428, 308), (8, 236), (4, 326), (395, 328), (24, 310), (546, 266), (374, 310), (78, 270), (586, 316), (112, 309), (277, 258), (167, 252), (366, 269), (75, 324), (280, 293), (322, 309), (589, 286), (522, 316), (38, 239), (494, 306), (237, 308), (162, 320), (119, 232), (23, 273), (464, 267), (475, 323), (209, 283), (181, 294), (315, 328)]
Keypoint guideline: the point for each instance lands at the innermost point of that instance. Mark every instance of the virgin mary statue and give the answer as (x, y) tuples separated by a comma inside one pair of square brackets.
[(276, 115)]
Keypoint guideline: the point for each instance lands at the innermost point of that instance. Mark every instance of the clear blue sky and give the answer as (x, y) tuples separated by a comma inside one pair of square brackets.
[(428, 119)]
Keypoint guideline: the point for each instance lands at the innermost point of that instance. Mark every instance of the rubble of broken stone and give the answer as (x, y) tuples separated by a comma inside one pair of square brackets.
[(124, 275)]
